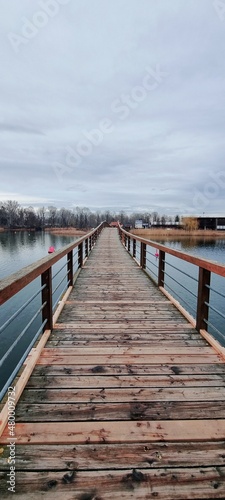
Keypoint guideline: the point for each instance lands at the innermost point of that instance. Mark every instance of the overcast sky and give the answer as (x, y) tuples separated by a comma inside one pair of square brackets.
[(113, 104)]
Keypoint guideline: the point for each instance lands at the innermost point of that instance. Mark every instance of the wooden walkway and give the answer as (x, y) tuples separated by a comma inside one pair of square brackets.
[(127, 399)]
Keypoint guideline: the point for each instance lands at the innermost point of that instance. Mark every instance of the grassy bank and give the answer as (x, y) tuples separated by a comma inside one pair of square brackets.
[(66, 231), (177, 233)]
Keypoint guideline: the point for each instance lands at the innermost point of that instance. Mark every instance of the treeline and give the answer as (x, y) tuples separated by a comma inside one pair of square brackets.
[(14, 216)]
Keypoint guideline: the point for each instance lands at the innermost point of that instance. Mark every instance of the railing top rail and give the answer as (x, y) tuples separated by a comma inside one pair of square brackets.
[(210, 265), (12, 284)]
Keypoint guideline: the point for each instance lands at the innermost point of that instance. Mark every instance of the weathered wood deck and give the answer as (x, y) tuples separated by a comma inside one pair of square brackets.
[(127, 400)]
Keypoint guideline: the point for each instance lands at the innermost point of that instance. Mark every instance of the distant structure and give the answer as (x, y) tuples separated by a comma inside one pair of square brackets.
[(216, 223), (140, 224), (114, 224)]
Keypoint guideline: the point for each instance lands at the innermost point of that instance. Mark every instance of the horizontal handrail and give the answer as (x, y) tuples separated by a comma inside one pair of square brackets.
[(138, 249)]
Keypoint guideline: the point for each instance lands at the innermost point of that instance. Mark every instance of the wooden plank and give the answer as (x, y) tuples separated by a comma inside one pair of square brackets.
[(132, 337), (112, 304), (136, 410), (119, 308), (106, 456), (168, 484), (174, 334), (70, 341), (164, 308), (131, 359), (117, 432), (123, 322), (94, 381), (122, 326), (119, 316), (119, 394), (126, 351), (139, 369)]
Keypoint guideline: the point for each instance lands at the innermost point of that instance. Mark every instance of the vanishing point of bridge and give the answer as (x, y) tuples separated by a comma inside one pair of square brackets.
[(126, 398)]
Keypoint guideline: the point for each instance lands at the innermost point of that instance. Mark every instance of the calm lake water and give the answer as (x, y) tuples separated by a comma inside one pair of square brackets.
[(20, 249)]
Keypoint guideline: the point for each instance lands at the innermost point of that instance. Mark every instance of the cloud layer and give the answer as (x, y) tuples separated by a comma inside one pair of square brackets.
[(113, 104)]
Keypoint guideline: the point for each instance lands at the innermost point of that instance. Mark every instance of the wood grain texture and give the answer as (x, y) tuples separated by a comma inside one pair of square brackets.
[(117, 432), (107, 456), (43, 411), (139, 484)]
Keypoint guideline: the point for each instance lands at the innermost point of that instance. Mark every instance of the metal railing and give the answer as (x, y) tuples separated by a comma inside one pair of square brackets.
[(43, 283), (198, 284)]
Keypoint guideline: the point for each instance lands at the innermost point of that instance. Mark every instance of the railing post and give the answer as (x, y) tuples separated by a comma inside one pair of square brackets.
[(80, 255), (161, 268), (90, 246), (94, 238), (134, 248), (70, 268), (86, 248), (143, 255), (203, 298), (128, 246), (46, 279)]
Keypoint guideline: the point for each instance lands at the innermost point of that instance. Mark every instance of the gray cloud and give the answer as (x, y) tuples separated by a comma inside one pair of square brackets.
[(87, 63), (19, 129)]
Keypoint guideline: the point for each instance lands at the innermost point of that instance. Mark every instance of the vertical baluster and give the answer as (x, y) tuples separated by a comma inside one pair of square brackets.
[(80, 255), (86, 248), (128, 247), (46, 279), (143, 256), (70, 268), (203, 297), (134, 248), (161, 268)]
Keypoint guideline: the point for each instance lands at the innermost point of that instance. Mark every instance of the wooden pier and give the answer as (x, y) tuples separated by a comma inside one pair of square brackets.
[(127, 399)]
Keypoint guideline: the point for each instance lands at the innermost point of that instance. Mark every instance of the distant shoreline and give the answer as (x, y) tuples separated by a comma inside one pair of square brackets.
[(66, 231), (144, 233), (178, 233), (69, 231)]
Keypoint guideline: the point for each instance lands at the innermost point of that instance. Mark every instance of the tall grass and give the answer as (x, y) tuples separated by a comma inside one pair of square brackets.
[(178, 233)]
